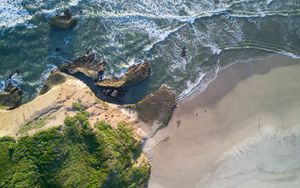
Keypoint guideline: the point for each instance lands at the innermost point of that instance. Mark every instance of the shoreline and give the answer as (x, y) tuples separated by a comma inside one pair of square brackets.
[(238, 66), (243, 100), (198, 91)]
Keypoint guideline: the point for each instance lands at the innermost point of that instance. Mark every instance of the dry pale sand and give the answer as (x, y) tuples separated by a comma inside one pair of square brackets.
[(58, 103), (242, 131)]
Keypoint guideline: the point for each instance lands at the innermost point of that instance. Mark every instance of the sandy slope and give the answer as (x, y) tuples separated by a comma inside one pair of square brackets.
[(243, 131), (58, 103)]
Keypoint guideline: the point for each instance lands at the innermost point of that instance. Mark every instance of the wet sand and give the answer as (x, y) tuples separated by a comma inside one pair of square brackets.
[(236, 132)]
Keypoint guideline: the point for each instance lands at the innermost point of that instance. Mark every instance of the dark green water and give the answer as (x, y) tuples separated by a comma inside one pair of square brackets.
[(215, 33)]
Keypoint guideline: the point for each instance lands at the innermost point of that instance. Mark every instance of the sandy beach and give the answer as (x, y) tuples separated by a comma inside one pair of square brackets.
[(242, 131)]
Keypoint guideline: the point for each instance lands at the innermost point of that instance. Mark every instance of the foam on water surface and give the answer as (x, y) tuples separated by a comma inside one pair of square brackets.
[(157, 31), (12, 13)]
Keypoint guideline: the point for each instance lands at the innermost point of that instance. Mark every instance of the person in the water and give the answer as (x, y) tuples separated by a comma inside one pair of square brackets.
[(184, 52)]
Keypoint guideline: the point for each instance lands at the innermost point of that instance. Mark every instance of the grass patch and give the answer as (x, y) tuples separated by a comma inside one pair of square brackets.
[(3, 107), (78, 106), (36, 124)]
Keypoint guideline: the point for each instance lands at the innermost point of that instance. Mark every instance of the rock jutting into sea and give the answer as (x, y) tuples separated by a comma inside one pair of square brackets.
[(65, 21), (115, 87), (134, 75), (94, 68), (55, 78), (11, 97), (88, 65), (157, 108)]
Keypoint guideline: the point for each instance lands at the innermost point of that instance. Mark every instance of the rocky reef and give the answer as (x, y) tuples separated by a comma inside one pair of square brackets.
[(134, 75), (87, 64), (65, 21), (93, 69), (157, 108), (10, 98), (55, 78)]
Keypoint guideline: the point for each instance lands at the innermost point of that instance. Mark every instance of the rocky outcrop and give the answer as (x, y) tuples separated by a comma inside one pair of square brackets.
[(10, 98), (134, 75), (94, 69), (54, 79), (157, 108), (87, 64), (65, 21)]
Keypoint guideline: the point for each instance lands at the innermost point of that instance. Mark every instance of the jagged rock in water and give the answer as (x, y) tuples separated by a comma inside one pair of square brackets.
[(157, 108), (183, 52), (88, 64), (65, 21), (55, 78), (134, 75), (11, 97), (111, 92)]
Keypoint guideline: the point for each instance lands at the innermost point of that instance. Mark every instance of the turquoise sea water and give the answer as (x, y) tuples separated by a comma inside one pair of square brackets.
[(124, 32)]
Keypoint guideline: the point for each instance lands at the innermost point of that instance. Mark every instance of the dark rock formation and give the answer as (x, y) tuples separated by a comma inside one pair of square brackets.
[(134, 75), (65, 21), (157, 108), (55, 78), (88, 64), (184, 52), (11, 97), (90, 70), (111, 92)]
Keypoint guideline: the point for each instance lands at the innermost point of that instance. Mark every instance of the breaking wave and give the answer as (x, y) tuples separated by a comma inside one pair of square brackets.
[(213, 32), (15, 79), (12, 13)]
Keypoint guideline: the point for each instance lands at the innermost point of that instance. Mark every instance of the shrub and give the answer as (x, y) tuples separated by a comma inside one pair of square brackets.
[(75, 156)]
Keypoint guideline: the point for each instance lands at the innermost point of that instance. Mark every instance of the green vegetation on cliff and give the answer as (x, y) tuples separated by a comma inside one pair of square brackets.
[(73, 155)]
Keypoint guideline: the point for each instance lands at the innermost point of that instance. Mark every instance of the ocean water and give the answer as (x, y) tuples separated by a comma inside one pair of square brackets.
[(124, 32)]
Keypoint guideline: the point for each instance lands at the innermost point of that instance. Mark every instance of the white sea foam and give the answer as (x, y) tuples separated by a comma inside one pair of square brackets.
[(74, 2), (161, 36), (289, 54), (124, 67), (192, 85), (45, 74), (12, 13), (2, 85), (200, 84), (161, 20), (15, 79), (215, 49)]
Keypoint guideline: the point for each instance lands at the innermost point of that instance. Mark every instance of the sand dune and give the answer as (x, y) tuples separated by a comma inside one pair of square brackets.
[(242, 131)]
